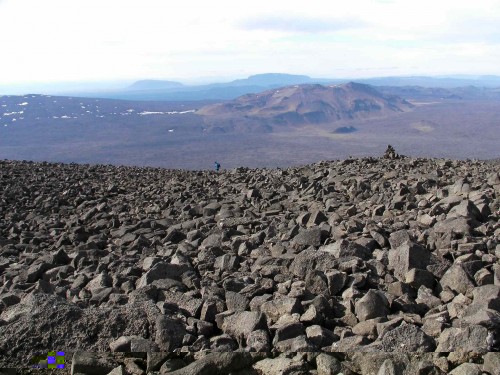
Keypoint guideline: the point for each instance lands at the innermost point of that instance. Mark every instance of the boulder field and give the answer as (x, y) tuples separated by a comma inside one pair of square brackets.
[(378, 266)]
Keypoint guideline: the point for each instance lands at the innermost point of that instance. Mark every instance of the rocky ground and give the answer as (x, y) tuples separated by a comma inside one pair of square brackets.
[(363, 266)]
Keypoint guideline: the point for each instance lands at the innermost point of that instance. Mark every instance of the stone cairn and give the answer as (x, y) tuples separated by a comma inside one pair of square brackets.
[(390, 153)]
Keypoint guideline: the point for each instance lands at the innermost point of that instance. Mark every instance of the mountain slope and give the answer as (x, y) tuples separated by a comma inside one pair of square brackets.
[(309, 104)]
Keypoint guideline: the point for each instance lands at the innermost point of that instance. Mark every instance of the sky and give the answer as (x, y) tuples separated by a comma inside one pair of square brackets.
[(198, 41)]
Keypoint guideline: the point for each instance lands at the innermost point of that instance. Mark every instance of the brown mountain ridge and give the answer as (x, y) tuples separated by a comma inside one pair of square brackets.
[(306, 104)]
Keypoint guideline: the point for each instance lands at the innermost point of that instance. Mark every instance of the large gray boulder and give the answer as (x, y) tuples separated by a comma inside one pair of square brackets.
[(487, 296), (327, 364), (373, 305), (491, 363), (280, 366), (467, 369), (407, 338), (407, 256), (241, 324), (457, 279), (169, 333), (160, 271), (274, 309), (468, 339), (92, 363), (217, 363)]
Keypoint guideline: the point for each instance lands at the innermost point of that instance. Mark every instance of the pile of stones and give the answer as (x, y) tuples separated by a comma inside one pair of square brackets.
[(362, 266)]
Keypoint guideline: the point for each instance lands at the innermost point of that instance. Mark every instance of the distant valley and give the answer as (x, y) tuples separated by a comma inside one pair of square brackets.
[(289, 125)]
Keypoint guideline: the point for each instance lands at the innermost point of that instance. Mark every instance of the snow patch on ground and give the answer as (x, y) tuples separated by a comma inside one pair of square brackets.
[(146, 113)]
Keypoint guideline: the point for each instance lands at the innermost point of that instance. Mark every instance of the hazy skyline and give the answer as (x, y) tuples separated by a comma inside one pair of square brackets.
[(112, 40)]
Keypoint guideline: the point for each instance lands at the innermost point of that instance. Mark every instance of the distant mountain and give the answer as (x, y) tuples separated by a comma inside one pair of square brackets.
[(149, 84), (273, 79), (307, 104), (425, 93), (435, 82), (159, 90), (175, 91)]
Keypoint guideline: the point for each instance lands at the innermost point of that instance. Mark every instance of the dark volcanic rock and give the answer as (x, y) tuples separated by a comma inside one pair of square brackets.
[(407, 338), (216, 363), (308, 237), (388, 255), (373, 305), (469, 339), (407, 256), (169, 333)]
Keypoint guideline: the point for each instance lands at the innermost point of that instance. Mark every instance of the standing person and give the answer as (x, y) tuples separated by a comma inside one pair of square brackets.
[(216, 166)]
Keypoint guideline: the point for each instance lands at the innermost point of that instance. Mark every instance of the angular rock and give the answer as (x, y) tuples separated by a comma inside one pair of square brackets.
[(336, 281), (216, 363), (296, 344), (407, 338), (320, 337), (308, 237), (258, 341), (407, 256), (280, 366), (457, 279), (467, 339), (274, 309), (288, 331), (466, 369), (487, 296), (491, 363), (100, 253), (162, 271), (373, 305), (327, 364), (188, 305), (417, 278), (317, 282), (92, 363), (169, 333), (155, 360), (316, 218), (236, 301), (242, 324)]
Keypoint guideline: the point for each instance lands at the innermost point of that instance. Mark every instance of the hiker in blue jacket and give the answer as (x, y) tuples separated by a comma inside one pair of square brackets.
[(216, 166)]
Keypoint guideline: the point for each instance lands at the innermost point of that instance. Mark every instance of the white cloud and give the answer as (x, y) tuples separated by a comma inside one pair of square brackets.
[(81, 40), (299, 24)]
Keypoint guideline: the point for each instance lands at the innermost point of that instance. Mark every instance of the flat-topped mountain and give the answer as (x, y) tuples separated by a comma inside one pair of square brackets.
[(271, 79), (152, 84), (310, 103)]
